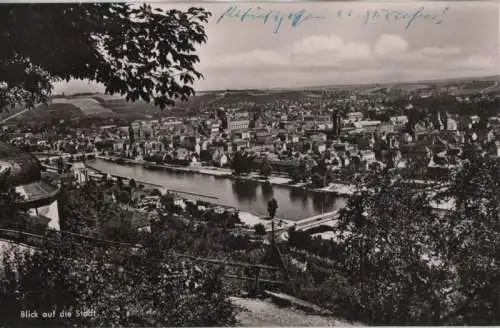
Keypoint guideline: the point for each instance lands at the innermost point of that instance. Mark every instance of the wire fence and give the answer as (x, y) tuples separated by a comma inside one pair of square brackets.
[(238, 275)]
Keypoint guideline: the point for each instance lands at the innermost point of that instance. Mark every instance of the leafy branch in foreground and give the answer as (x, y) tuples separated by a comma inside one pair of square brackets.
[(139, 52)]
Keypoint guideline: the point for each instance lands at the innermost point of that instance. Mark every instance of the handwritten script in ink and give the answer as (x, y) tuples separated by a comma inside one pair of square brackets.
[(396, 15), (275, 17), (295, 19)]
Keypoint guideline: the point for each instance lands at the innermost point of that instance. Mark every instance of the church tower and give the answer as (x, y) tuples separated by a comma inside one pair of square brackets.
[(337, 123)]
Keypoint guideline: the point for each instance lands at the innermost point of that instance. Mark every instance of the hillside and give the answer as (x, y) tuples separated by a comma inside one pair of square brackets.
[(57, 112), (95, 109)]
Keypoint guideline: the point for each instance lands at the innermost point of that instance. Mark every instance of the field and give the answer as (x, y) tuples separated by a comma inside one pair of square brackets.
[(232, 98), (8, 112), (477, 87), (88, 106), (50, 113), (129, 110), (199, 99)]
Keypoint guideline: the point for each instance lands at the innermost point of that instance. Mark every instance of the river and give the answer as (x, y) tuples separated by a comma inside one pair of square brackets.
[(248, 196)]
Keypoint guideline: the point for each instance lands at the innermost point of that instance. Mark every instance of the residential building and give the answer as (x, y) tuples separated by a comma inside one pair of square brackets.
[(238, 124), (220, 158), (214, 129), (399, 120), (240, 134), (119, 145), (354, 116), (182, 153)]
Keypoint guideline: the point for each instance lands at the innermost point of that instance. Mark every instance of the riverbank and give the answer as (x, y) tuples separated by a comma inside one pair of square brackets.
[(146, 184), (338, 189), (247, 218)]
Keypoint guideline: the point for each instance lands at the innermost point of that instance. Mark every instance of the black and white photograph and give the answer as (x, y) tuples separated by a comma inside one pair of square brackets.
[(255, 164)]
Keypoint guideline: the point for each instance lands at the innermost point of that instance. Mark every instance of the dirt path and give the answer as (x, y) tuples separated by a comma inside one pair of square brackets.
[(265, 313)]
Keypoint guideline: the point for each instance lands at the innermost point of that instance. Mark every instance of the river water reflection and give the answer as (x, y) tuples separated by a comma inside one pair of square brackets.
[(248, 196)]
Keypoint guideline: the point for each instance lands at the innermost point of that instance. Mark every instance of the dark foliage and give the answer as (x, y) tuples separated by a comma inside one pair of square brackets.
[(397, 261), (241, 163), (140, 52), (120, 287)]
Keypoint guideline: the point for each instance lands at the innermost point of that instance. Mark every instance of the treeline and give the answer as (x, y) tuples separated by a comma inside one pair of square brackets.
[(476, 106)]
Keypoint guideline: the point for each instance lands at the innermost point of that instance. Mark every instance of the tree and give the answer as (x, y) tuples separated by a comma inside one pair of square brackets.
[(60, 165), (294, 174), (206, 156), (132, 184), (356, 162), (472, 235), (304, 170), (8, 197), (231, 219), (135, 153), (168, 202), (131, 135), (260, 230), (328, 153), (266, 168), (155, 192), (88, 209), (403, 263), (241, 163), (389, 242), (192, 209), (318, 180), (272, 206), (119, 227), (139, 52), (222, 116), (123, 197), (330, 176)]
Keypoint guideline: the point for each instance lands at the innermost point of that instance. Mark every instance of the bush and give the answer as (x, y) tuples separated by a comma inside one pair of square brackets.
[(123, 288), (260, 230)]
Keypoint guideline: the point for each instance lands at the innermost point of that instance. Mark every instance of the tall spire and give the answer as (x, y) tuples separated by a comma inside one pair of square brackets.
[(439, 120)]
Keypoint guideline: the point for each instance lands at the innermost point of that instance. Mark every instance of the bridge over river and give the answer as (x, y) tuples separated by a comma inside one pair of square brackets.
[(329, 218)]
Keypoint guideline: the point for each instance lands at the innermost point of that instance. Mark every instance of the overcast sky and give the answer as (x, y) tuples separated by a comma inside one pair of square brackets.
[(335, 50)]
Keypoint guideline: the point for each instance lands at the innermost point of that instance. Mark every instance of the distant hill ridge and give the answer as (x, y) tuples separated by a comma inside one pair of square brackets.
[(364, 85), (319, 87)]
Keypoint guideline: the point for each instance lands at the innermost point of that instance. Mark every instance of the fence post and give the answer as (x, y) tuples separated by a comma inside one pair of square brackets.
[(248, 273), (256, 285)]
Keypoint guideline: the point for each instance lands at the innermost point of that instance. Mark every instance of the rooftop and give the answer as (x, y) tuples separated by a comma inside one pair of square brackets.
[(24, 174)]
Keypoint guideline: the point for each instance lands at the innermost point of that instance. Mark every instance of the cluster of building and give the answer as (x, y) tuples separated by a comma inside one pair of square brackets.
[(340, 130), (343, 130)]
